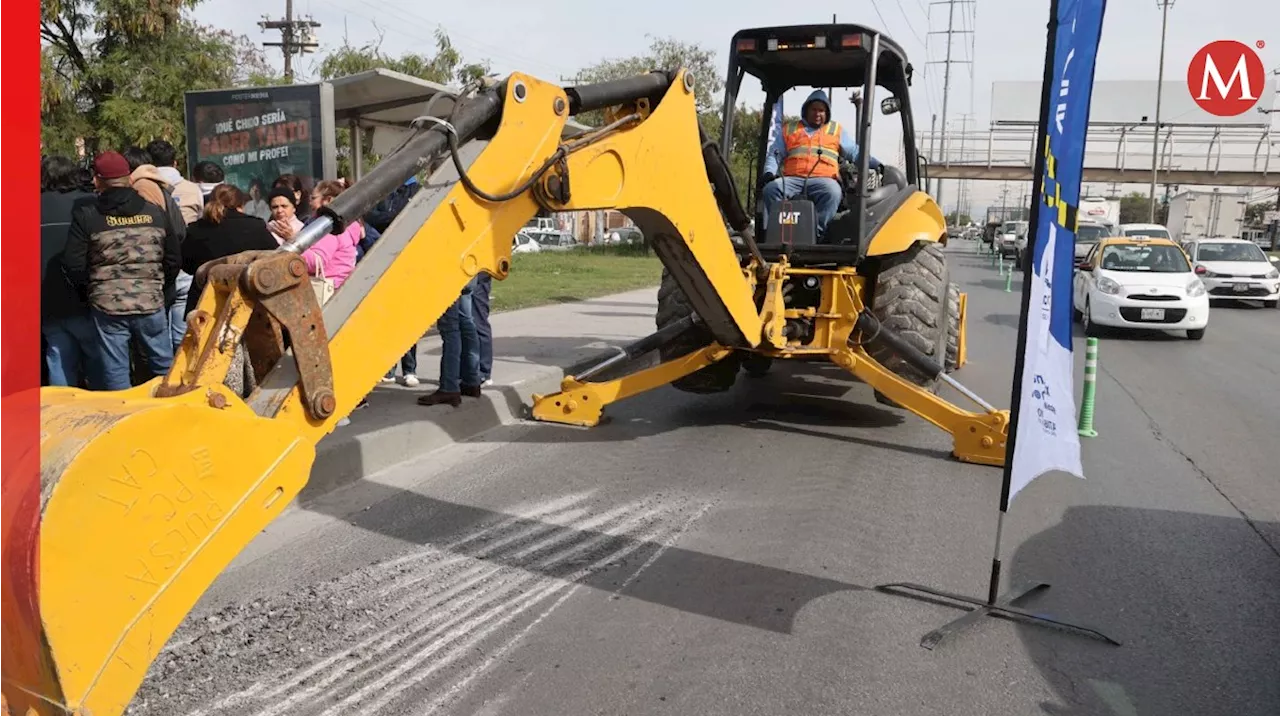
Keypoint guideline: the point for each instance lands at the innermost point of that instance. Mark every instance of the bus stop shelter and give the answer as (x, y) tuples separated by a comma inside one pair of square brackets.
[(387, 102)]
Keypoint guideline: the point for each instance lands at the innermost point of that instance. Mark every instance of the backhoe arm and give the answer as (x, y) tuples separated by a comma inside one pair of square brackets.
[(146, 495)]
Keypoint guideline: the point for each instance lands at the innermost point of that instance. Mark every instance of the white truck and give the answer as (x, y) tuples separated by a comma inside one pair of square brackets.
[(1100, 210), (1195, 214)]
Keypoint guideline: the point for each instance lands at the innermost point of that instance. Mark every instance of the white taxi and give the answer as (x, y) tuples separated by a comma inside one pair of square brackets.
[(1139, 282), (1235, 268)]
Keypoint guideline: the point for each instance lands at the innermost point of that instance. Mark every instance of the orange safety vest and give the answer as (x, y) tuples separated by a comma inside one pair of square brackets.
[(815, 156)]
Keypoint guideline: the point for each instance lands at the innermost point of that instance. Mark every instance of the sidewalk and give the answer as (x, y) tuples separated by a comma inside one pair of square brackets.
[(531, 349)]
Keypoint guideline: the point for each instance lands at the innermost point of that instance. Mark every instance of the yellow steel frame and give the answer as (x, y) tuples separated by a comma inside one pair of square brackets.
[(146, 499), (978, 437)]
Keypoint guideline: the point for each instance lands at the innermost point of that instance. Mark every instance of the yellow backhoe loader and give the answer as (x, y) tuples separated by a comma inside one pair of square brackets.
[(145, 495)]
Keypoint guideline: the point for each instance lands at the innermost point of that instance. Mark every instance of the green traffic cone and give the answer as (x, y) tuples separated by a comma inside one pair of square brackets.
[(1090, 383)]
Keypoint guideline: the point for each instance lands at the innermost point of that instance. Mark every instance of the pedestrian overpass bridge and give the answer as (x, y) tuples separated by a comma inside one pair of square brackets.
[(1189, 155)]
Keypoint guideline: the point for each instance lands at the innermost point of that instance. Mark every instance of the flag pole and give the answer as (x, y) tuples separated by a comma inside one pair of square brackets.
[(995, 604), (1028, 274)]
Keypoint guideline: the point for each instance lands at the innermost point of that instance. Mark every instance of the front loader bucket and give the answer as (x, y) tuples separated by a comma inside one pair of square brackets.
[(141, 503)]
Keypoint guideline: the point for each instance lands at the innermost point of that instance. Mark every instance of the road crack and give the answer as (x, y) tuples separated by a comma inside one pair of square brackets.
[(1160, 436)]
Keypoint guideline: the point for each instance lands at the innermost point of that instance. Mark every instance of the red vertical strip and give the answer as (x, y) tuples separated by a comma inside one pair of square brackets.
[(20, 346)]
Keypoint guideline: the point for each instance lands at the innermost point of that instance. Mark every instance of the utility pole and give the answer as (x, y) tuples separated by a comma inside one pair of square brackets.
[(296, 37), (933, 141), (1155, 133), (946, 78)]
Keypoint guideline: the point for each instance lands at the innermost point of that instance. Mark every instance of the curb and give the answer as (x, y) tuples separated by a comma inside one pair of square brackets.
[(403, 431)]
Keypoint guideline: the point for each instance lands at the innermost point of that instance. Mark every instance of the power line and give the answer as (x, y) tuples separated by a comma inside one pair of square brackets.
[(950, 32), (296, 37)]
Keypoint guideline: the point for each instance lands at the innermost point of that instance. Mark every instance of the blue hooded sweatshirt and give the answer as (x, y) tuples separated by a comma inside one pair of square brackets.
[(848, 145)]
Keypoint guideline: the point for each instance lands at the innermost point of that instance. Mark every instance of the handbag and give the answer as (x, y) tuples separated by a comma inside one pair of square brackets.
[(320, 284)]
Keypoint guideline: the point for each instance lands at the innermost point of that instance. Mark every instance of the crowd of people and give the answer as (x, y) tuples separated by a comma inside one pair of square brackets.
[(121, 242)]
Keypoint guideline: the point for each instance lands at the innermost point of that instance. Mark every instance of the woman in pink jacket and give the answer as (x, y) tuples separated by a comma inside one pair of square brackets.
[(335, 253)]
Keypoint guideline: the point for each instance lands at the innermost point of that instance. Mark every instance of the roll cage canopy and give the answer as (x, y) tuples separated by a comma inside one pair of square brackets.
[(816, 56), (824, 56)]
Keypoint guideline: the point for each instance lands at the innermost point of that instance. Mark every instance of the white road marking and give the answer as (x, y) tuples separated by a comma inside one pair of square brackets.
[(465, 606)]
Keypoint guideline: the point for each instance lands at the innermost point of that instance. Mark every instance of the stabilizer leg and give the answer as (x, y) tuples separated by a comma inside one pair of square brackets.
[(978, 437), (582, 403)]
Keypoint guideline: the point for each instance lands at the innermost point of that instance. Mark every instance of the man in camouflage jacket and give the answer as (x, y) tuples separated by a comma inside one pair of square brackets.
[(123, 256)]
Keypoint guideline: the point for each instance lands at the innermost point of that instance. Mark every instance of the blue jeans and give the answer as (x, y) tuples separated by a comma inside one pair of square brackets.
[(71, 350), (824, 193), (460, 361), (480, 308), (408, 363), (178, 313), (114, 332)]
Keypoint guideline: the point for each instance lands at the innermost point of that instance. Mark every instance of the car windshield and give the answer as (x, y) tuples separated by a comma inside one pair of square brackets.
[(1090, 233), (1230, 252), (1153, 232), (1149, 259)]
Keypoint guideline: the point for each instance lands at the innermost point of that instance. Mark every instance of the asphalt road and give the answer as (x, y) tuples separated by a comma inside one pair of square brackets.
[(715, 554)]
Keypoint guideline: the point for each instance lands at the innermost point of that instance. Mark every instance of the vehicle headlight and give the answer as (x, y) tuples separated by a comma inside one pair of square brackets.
[(1195, 288), (1275, 273), (1108, 286)]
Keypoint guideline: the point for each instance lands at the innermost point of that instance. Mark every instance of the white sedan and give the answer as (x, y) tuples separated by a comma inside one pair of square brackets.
[(1235, 268), (1135, 282)]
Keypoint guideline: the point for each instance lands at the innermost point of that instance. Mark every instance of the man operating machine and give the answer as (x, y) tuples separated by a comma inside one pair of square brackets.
[(809, 152)]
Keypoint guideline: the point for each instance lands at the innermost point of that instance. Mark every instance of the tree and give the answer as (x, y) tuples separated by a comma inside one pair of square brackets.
[(669, 54), (444, 67), (663, 54), (958, 218), (114, 72), (1255, 213), (1135, 208)]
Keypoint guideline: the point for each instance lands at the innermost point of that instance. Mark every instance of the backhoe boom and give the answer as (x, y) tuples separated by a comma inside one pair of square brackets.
[(147, 494)]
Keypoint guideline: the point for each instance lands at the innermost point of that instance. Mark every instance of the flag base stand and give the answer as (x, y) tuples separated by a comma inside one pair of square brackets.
[(1004, 606)]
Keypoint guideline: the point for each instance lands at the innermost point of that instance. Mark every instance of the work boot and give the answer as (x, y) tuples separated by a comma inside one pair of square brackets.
[(471, 391), (440, 397)]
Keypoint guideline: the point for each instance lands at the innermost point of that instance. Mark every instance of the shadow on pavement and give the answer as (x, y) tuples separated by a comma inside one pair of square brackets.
[(704, 584), (1002, 319), (1139, 335), (804, 399), (997, 284), (1193, 598)]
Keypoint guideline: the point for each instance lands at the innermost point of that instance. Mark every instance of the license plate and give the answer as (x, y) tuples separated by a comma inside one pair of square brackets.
[(1153, 314), (1240, 287)]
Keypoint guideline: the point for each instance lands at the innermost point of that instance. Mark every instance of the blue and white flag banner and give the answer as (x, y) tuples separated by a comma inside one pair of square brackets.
[(1046, 438)]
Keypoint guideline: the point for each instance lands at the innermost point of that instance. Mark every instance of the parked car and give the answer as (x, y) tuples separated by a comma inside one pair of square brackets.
[(1135, 282), (524, 244), (1235, 268)]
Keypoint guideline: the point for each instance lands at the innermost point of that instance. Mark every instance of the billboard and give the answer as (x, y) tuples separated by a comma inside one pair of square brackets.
[(259, 133), (1125, 102)]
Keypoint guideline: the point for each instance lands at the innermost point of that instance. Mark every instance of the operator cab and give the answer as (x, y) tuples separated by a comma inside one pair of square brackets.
[(831, 57)]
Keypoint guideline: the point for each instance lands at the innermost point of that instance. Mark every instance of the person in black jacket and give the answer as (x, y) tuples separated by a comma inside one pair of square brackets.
[(123, 256), (70, 341), (224, 230)]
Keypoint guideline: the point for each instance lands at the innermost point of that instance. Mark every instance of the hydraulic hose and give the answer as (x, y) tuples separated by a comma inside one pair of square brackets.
[(416, 154)]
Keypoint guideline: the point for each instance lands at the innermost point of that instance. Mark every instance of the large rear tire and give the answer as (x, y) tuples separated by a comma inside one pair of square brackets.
[(912, 299), (953, 327), (673, 306)]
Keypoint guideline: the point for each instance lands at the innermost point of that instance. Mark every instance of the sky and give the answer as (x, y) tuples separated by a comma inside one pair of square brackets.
[(995, 40)]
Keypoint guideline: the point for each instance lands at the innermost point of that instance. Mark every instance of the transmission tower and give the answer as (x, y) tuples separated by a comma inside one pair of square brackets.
[(950, 32), (296, 37)]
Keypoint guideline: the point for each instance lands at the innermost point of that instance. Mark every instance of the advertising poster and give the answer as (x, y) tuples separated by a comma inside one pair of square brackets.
[(258, 134)]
